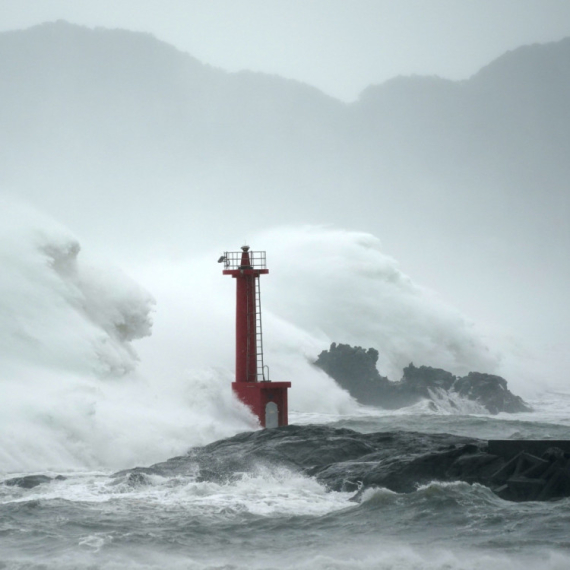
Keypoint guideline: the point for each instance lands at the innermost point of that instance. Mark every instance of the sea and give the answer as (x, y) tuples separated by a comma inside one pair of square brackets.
[(274, 518), (86, 392)]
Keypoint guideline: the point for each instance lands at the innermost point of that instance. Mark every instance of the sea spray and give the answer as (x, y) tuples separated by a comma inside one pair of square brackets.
[(75, 395), (344, 285), (63, 310), (323, 285), (70, 396)]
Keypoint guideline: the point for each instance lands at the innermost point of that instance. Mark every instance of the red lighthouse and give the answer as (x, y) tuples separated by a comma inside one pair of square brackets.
[(266, 399)]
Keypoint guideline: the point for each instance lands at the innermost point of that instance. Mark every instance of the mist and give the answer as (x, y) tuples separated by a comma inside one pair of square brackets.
[(92, 357), (427, 219)]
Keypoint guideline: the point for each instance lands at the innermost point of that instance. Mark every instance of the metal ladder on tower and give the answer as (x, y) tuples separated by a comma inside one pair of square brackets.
[(258, 332)]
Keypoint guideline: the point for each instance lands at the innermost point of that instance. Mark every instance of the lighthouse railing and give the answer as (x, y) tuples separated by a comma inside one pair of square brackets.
[(232, 259)]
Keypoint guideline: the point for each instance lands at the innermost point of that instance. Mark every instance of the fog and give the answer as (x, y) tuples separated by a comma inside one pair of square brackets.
[(428, 219), (72, 379)]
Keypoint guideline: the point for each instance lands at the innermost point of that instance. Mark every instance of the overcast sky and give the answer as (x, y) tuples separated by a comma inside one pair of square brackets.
[(340, 46)]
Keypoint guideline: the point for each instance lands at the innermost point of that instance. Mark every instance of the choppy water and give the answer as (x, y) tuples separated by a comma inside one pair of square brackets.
[(275, 518)]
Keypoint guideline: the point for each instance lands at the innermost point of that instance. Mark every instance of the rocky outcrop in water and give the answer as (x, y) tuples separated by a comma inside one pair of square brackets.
[(31, 481), (345, 460), (491, 391), (354, 369)]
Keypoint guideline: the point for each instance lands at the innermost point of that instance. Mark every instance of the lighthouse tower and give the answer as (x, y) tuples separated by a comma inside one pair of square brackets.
[(266, 399)]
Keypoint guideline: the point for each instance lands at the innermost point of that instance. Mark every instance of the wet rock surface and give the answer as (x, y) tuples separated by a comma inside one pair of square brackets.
[(354, 369), (491, 391), (31, 481), (345, 460)]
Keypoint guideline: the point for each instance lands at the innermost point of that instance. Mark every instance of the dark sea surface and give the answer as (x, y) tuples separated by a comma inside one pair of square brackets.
[(277, 519)]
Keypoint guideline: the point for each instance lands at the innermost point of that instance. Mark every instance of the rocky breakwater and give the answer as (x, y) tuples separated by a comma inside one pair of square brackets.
[(354, 369), (345, 460), (349, 461)]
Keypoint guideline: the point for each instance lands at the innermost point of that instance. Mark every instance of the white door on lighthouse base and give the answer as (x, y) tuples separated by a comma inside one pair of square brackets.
[(271, 415)]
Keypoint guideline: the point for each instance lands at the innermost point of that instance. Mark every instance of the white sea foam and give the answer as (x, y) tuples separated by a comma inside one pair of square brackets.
[(444, 402), (265, 491)]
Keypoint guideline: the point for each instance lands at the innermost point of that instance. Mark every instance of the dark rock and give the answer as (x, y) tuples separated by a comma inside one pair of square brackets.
[(341, 459), (490, 391), (137, 479), (28, 482), (423, 379), (345, 460), (475, 466), (354, 369)]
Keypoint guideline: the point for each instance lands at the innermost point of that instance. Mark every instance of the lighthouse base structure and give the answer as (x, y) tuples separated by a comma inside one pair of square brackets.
[(267, 400)]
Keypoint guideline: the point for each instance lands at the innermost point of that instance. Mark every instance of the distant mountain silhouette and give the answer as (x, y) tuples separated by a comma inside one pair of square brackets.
[(127, 98), (66, 89)]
